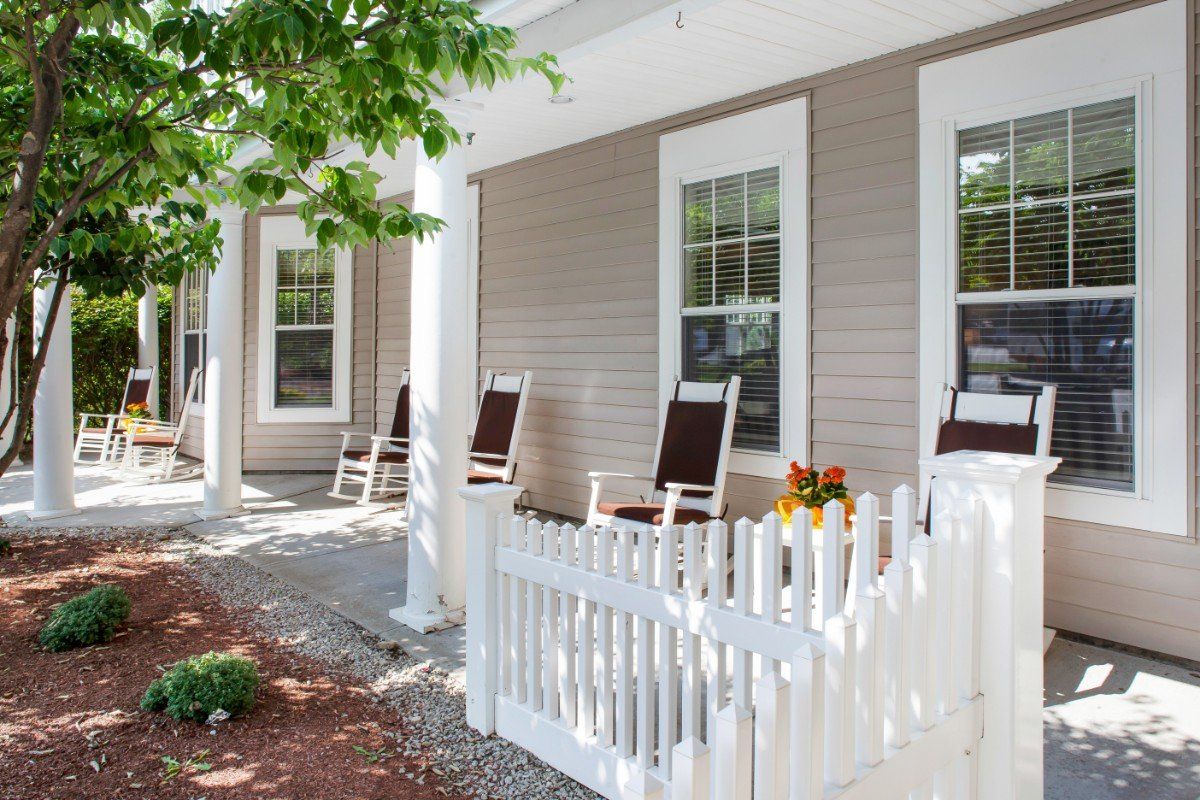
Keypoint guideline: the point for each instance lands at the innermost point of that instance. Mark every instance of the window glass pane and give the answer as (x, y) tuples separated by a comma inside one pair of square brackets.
[(304, 368), (983, 165), (1104, 146), (285, 262), (1040, 156), (697, 212), (1085, 348), (697, 276), (285, 307), (762, 200), (324, 268), (984, 250), (730, 206), (323, 307), (763, 269), (718, 346), (1104, 241), (1040, 241), (730, 265)]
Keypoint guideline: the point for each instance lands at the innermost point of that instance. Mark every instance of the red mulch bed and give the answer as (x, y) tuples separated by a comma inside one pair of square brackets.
[(62, 713)]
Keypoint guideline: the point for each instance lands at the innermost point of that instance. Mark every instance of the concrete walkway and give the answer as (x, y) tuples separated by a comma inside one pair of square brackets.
[(352, 559), (1117, 725)]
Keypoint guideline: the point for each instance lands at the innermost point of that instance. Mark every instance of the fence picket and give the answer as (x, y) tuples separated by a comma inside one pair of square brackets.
[(807, 724), (645, 656), (668, 665), (945, 534), (693, 586), (606, 710), (623, 650), (552, 658), (771, 588), (533, 626), (924, 644), (503, 614), (690, 770), (718, 557), (586, 644), (832, 573), (870, 616), (516, 610), (969, 596), (743, 603), (770, 737), (734, 751), (802, 570), (898, 588), (840, 637), (567, 631)]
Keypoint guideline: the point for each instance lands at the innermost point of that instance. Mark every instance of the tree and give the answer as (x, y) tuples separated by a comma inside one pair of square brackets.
[(108, 109)]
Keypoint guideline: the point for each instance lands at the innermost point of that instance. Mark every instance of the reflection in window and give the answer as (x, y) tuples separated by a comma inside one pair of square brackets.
[(304, 320)]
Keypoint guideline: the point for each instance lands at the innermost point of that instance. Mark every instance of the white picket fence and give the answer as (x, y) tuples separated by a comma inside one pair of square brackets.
[(621, 657)]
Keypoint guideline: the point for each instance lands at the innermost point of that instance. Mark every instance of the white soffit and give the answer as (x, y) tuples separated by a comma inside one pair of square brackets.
[(629, 63)]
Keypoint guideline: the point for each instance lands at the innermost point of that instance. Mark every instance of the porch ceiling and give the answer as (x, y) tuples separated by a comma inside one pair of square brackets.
[(630, 63)]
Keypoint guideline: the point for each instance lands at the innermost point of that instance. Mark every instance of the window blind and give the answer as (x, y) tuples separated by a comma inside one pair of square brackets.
[(304, 324), (1047, 203), (731, 293), (195, 328)]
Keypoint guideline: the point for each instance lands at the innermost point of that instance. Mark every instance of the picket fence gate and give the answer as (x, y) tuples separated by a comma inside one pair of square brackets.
[(620, 657)]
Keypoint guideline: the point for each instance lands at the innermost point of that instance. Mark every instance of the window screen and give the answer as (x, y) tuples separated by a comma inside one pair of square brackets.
[(1047, 264), (304, 320), (731, 295)]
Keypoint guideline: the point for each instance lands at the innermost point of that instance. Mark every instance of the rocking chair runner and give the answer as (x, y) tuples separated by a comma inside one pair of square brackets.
[(690, 462), (383, 469), (107, 440), (152, 446)]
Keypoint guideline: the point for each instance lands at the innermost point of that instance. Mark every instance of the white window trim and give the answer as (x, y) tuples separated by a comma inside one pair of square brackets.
[(776, 135), (197, 409), (278, 232), (1140, 53), (473, 244)]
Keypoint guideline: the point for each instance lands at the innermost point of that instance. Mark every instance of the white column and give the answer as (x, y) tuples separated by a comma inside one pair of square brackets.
[(148, 340), (223, 375), (1011, 489), (53, 415), (7, 378), (440, 388)]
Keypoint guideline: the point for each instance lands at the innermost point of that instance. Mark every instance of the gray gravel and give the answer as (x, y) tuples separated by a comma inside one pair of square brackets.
[(431, 704)]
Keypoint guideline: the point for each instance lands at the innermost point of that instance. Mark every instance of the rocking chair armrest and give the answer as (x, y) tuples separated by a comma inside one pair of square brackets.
[(626, 475), (156, 425), (680, 488), (473, 454), (389, 439), (349, 434)]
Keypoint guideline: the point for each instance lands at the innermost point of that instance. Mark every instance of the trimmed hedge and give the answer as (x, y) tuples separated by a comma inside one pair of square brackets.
[(199, 685), (85, 620)]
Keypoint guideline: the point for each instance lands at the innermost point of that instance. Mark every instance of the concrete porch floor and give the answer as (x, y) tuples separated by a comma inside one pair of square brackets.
[(1117, 725)]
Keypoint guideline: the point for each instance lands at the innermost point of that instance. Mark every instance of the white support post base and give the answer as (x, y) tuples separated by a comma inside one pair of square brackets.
[(439, 392), (53, 417), (223, 376), (148, 342)]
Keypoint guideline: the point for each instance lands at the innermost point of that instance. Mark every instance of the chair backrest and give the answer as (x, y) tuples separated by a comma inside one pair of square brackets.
[(1002, 423), (498, 423), (188, 399), (694, 438), (400, 420), (137, 387)]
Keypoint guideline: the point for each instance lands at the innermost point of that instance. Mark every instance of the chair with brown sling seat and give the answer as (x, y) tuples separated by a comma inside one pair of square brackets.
[(152, 446), (492, 456), (382, 469), (687, 483), (106, 441)]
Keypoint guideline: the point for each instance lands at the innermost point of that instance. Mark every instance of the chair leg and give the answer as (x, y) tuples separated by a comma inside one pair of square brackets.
[(337, 481), (368, 483)]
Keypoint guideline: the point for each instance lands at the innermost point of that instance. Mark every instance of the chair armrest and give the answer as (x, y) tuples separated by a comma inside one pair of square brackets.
[(390, 439), (348, 434), (625, 475), (87, 414), (485, 455), (689, 487)]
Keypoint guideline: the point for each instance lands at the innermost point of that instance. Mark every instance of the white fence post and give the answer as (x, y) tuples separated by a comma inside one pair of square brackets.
[(485, 505), (1011, 491)]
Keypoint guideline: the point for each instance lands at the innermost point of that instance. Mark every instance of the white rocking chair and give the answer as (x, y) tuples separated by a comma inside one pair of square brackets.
[(383, 469), (107, 441), (152, 446)]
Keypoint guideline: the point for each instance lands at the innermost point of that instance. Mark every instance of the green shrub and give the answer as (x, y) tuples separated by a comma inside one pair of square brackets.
[(88, 619), (5, 547), (199, 685)]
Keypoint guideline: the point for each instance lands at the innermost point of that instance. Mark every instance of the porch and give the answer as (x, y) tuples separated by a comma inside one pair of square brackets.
[(1117, 724)]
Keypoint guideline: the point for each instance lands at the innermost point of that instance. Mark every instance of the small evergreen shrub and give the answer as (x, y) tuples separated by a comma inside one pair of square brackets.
[(5, 547), (199, 685), (85, 620)]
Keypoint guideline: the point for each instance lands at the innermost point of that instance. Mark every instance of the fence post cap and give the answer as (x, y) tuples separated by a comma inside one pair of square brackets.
[(490, 491), (994, 467)]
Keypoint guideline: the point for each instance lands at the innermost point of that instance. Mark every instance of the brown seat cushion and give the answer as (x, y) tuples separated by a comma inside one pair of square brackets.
[(385, 456), (95, 430), (475, 476), (154, 440), (652, 513)]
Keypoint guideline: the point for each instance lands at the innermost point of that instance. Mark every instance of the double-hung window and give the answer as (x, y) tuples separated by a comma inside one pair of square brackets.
[(304, 327), (733, 277), (1053, 251), (194, 331), (1047, 278)]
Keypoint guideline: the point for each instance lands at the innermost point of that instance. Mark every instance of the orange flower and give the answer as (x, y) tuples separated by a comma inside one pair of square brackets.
[(834, 475)]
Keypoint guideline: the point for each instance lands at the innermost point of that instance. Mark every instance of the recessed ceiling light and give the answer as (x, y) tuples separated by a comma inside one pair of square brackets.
[(561, 99)]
